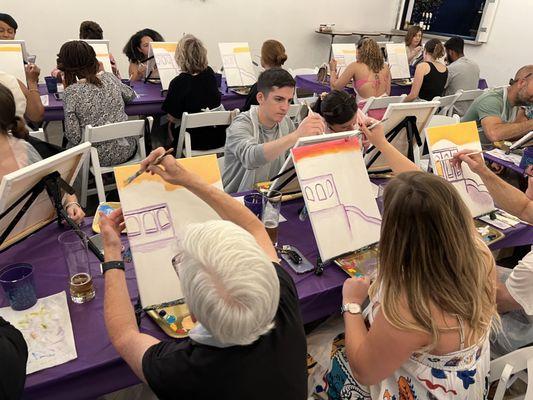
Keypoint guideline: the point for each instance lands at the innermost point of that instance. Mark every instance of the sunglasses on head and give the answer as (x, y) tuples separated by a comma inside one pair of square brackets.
[(513, 81)]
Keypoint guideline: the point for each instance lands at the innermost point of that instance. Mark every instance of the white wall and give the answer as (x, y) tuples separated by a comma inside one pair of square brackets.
[(45, 25), (509, 45)]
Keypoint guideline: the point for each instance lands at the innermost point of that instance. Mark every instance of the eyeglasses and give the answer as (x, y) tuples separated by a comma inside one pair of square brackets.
[(525, 78)]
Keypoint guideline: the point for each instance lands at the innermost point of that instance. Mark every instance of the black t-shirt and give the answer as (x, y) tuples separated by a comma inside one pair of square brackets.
[(192, 93), (13, 357), (251, 99), (273, 367)]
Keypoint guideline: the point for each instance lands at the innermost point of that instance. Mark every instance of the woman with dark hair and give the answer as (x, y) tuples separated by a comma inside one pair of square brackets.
[(272, 56), (16, 152), (413, 44), (430, 75), (92, 30), (136, 49), (338, 109), (93, 98)]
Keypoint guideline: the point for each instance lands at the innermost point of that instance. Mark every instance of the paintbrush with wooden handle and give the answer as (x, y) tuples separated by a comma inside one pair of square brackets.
[(141, 171)]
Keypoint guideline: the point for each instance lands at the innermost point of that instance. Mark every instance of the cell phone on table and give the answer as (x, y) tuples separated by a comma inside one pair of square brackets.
[(99, 243), (59, 96)]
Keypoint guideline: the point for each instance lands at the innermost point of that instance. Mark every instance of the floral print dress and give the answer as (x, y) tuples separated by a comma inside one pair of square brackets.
[(460, 375)]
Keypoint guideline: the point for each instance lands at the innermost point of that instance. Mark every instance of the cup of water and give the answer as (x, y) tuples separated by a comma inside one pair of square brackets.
[(271, 210), (19, 286), (51, 84)]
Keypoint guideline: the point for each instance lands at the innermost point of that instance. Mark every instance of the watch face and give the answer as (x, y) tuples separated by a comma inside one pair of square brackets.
[(354, 308)]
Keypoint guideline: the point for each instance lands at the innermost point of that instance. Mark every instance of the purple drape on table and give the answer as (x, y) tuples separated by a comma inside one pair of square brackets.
[(98, 368)]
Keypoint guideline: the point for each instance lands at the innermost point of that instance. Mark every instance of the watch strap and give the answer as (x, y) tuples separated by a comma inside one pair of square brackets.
[(106, 266)]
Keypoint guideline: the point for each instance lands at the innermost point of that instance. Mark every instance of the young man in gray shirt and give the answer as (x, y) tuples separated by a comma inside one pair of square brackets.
[(257, 141), (463, 73)]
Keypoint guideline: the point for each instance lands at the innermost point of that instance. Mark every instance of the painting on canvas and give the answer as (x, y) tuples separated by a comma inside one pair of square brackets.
[(338, 196), (444, 142), (156, 214), (47, 330)]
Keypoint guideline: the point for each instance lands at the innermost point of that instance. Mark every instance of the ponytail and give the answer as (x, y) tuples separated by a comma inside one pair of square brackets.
[(18, 128), (435, 48)]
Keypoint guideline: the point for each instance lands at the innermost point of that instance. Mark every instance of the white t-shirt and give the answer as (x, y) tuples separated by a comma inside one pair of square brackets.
[(520, 283), (12, 84)]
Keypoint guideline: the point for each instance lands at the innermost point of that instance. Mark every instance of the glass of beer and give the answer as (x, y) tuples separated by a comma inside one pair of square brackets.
[(74, 248), (270, 217)]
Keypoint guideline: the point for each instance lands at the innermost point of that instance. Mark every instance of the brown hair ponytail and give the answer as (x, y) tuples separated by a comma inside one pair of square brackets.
[(435, 48), (9, 122)]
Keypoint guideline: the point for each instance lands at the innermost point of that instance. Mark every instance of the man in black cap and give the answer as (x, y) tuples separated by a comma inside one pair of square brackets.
[(8, 27)]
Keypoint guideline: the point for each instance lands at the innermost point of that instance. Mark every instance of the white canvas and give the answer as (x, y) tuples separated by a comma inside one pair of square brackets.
[(42, 211), (12, 61), (47, 330), (344, 54), (156, 214), (237, 62), (167, 67), (444, 142), (397, 59), (338, 196), (395, 114)]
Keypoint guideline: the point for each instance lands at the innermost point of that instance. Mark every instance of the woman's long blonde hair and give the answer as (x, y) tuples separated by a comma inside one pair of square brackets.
[(370, 54), (430, 255)]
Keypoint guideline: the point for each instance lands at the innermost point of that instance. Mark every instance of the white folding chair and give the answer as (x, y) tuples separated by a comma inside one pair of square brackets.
[(97, 134), (302, 71), (446, 104), (39, 134), (465, 99), (374, 103), (516, 362), (197, 120)]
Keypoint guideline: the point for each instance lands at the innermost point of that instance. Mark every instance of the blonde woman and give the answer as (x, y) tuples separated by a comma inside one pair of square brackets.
[(433, 301), (370, 75), (192, 91)]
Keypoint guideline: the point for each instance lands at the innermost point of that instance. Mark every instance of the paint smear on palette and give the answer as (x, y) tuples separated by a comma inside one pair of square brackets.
[(200, 164), (332, 147)]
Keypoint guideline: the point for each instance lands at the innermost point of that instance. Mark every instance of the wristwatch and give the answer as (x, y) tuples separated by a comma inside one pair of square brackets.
[(352, 308), (106, 266)]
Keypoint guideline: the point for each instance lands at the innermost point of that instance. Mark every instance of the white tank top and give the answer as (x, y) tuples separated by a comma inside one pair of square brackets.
[(12, 84)]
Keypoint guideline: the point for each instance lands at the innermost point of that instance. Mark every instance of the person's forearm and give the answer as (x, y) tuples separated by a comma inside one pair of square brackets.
[(276, 148), (119, 315), (355, 334), (507, 196), (34, 105), (503, 131), (396, 160), (504, 300)]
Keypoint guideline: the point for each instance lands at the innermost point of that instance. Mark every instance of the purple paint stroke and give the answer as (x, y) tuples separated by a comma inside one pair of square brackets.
[(361, 214)]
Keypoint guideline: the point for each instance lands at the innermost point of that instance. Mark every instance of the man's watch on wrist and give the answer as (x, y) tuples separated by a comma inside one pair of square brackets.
[(106, 266), (352, 308)]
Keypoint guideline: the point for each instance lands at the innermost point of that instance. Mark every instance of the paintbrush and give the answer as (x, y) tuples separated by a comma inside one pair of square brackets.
[(141, 171), (468, 154)]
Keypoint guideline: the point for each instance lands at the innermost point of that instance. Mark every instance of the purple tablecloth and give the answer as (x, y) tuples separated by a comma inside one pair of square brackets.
[(148, 103), (310, 83), (98, 368), (506, 164)]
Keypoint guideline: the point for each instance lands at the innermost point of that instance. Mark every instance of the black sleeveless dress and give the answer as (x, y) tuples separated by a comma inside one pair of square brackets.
[(433, 84)]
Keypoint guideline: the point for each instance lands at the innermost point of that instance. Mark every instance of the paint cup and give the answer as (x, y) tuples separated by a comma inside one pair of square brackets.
[(527, 158), (74, 248), (51, 84), (254, 202), (19, 286), (270, 216)]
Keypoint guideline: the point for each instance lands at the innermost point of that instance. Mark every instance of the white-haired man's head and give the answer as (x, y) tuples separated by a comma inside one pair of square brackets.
[(229, 283)]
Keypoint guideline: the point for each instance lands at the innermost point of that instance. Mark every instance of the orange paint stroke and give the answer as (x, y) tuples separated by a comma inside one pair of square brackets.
[(325, 148), (205, 166), (460, 134)]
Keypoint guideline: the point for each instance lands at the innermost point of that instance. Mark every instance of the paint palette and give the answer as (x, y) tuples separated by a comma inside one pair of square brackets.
[(175, 320), (362, 262)]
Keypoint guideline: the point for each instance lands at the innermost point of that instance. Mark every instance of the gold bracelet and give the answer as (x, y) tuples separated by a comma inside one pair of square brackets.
[(34, 90), (72, 203)]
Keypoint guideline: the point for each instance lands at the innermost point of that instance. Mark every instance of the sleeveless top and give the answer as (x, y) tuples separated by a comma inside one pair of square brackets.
[(433, 84), (12, 84), (460, 375)]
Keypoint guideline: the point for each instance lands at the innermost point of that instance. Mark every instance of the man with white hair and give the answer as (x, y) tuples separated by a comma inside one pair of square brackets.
[(249, 343)]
